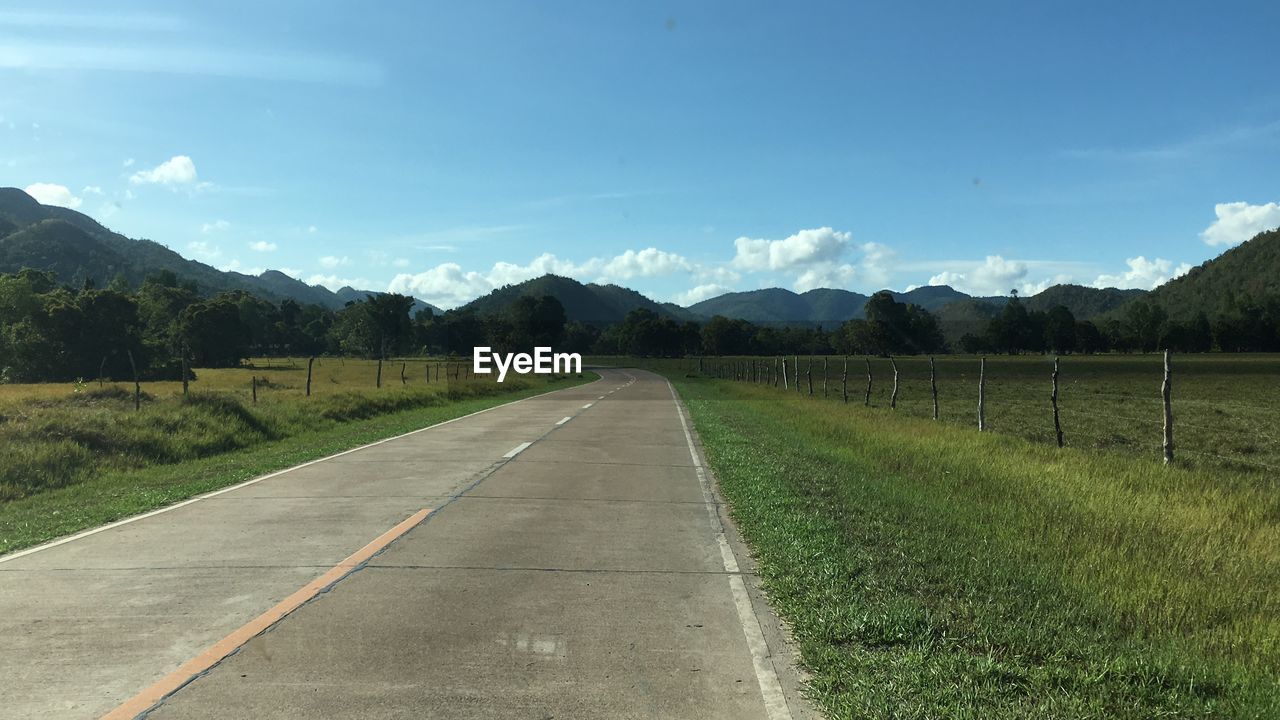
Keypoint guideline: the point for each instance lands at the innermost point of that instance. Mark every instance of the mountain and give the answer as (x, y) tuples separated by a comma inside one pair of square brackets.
[(936, 297), (1249, 271), (77, 248), (829, 307), (1085, 303), (777, 305), (588, 303)]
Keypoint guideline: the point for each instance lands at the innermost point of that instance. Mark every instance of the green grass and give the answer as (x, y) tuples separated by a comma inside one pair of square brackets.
[(929, 571), (88, 459)]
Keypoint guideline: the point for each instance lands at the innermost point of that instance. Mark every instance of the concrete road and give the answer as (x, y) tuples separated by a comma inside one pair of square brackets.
[(575, 562)]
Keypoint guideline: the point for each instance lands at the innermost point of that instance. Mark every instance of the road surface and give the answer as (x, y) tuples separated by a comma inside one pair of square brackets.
[(563, 556)]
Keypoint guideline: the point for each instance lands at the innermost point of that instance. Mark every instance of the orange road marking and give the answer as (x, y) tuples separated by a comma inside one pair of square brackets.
[(149, 698)]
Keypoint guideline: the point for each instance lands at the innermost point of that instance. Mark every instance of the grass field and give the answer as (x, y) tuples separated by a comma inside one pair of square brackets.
[(927, 570), (74, 456), (1224, 405)]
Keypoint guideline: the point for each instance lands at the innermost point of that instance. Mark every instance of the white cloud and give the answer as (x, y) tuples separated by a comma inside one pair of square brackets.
[(234, 266), (505, 273), (1240, 221), (700, 293), (128, 162), (876, 264), (649, 262), (53, 194), (215, 226), (332, 261), (993, 276), (92, 190), (177, 170), (1143, 274), (445, 285), (827, 275), (205, 251), (804, 248), (263, 246), (401, 262), (335, 283)]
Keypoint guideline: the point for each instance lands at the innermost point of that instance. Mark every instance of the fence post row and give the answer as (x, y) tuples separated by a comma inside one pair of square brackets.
[(760, 371)]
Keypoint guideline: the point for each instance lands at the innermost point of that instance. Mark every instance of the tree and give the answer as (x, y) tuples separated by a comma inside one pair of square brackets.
[(1060, 330), (536, 322), (214, 332)]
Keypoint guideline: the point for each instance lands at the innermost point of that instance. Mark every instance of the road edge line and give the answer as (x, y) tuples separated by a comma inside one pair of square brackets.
[(775, 699)]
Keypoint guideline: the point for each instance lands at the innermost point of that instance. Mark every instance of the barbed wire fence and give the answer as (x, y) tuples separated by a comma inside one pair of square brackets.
[(1073, 414)]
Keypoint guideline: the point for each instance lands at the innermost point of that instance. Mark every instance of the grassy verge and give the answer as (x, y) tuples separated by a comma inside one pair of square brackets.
[(244, 442), (928, 571)]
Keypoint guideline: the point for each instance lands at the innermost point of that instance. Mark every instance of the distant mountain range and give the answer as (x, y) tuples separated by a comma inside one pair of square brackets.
[(76, 247)]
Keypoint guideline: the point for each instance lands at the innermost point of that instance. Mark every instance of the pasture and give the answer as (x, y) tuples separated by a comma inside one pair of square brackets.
[(73, 455), (1226, 407)]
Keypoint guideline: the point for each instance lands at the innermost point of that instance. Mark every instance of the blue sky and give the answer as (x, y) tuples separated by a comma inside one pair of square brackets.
[(682, 149)]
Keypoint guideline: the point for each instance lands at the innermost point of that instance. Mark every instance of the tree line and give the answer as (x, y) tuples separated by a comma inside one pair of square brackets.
[(58, 332), (1242, 324)]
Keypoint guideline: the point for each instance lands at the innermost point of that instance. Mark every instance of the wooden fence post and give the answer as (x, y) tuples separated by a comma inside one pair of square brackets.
[(310, 361), (826, 364), (437, 371), (402, 368), (776, 374), (137, 388), (253, 384), (1166, 388), (785, 386), (844, 381), (933, 386), (982, 395), (1053, 400), (796, 358), (866, 400), (101, 368), (893, 397), (184, 369), (809, 374)]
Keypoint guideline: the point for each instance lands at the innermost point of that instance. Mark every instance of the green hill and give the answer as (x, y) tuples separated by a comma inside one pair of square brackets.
[(1249, 272), (1083, 302), (587, 303), (77, 248)]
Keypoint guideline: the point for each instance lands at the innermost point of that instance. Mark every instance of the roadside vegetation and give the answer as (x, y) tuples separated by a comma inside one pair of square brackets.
[(74, 455), (927, 570)]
